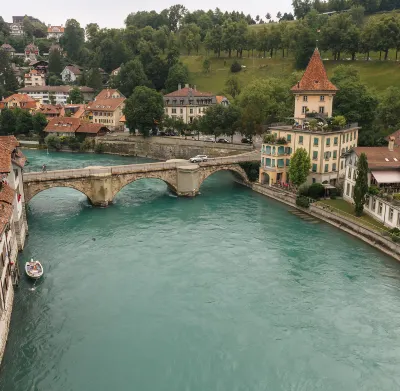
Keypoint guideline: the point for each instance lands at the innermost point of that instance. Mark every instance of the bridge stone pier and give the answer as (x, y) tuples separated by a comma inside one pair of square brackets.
[(102, 184)]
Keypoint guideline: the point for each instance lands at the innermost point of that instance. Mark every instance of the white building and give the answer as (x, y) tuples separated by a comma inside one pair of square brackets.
[(45, 94), (384, 174), (34, 78), (55, 32), (71, 73)]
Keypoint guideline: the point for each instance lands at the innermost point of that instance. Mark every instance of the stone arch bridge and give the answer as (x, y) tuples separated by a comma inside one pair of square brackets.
[(102, 184)]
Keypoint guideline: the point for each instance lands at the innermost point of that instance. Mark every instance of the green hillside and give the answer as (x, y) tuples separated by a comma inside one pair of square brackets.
[(376, 74)]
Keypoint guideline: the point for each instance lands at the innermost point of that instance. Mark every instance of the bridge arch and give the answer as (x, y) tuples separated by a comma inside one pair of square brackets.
[(236, 170), (34, 189), (165, 176)]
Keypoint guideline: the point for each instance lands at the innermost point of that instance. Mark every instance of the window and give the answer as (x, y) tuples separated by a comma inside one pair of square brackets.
[(300, 139), (341, 165), (349, 173), (334, 167), (327, 155), (348, 189), (305, 98), (314, 168), (273, 162), (328, 142), (321, 109), (380, 205), (181, 111), (343, 138), (304, 109), (335, 154), (313, 180), (326, 168), (347, 138), (351, 136), (173, 111), (354, 175), (335, 141), (281, 163), (191, 111), (390, 214), (322, 98), (315, 155), (316, 141), (287, 162), (355, 135), (268, 162), (373, 204), (289, 137)]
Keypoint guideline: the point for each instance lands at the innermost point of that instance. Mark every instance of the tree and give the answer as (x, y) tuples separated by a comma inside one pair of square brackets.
[(55, 64), (206, 65), (143, 110), (189, 36), (94, 79), (7, 122), (39, 122), (131, 75), (75, 96), (279, 15), (233, 86), (73, 39), (299, 168), (361, 186), (8, 81), (268, 16), (23, 123), (177, 74), (389, 108)]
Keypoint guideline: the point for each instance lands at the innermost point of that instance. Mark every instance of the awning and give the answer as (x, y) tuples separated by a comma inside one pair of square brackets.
[(386, 176)]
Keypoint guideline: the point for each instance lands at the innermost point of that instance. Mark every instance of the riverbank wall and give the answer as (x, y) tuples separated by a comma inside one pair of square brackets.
[(366, 234), (165, 148)]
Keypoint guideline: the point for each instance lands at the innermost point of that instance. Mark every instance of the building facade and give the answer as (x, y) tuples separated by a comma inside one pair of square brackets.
[(55, 94), (34, 78), (55, 32), (31, 52), (384, 175), (71, 73), (325, 144), (107, 109), (20, 101), (187, 103), (8, 49), (67, 126)]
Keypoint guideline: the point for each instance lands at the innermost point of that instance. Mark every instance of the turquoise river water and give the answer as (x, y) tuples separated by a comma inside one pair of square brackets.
[(224, 292)]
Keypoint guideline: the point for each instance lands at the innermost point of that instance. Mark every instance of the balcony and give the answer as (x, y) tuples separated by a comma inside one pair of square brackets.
[(276, 150)]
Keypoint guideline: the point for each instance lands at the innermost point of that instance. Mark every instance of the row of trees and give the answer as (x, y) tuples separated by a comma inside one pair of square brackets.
[(19, 121)]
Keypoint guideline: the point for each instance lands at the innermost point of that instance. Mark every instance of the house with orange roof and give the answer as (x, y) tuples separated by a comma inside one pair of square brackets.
[(187, 103), (73, 111), (222, 100), (55, 32), (68, 126), (50, 111), (325, 142), (21, 101), (34, 78), (107, 108)]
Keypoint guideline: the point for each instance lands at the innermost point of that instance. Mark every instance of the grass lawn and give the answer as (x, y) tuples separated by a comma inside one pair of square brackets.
[(376, 74), (347, 209)]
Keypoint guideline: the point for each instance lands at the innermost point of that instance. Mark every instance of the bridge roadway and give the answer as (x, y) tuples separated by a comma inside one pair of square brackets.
[(101, 184)]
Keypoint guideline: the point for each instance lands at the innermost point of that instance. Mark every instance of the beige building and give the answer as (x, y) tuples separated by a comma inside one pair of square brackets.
[(325, 143), (107, 109), (34, 78), (187, 103)]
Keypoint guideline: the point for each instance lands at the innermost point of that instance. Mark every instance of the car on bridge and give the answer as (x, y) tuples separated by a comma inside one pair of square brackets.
[(223, 140), (198, 159)]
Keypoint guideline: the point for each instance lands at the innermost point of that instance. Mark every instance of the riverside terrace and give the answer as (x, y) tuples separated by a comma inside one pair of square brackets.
[(101, 184)]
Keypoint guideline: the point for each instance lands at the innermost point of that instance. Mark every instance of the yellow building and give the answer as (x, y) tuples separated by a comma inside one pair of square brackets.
[(324, 143)]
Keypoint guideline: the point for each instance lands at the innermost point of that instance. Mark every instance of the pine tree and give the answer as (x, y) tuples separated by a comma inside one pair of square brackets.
[(94, 79), (55, 64), (361, 186)]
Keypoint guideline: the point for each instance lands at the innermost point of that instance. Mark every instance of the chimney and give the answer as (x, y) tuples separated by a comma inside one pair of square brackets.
[(186, 85), (179, 86), (391, 143)]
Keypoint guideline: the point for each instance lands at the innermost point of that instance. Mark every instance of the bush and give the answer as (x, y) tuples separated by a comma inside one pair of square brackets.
[(73, 143), (303, 191), (252, 170), (52, 141), (316, 190), (338, 122), (269, 138), (99, 148), (303, 202), (333, 193), (87, 145), (373, 190), (236, 67)]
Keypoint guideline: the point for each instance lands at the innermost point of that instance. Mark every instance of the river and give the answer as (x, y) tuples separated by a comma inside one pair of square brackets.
[(224, 292)]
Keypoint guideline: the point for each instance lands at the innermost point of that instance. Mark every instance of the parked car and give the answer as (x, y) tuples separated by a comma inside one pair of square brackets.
[(198, 159), (223, 140), (246, 140), (209, 139)]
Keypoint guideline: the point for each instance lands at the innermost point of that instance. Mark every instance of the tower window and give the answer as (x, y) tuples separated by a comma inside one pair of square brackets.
[(322, 98), (305, 98)]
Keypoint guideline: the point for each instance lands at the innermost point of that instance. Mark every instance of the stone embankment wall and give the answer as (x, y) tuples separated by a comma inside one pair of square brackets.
[(165, 148), (385, 244)]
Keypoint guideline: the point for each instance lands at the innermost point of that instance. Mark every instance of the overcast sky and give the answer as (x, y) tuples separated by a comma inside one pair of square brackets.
[(113, 13)]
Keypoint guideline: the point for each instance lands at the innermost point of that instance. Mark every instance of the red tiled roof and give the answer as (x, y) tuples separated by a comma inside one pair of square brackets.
[(6, 194), (107, 94), (55, 29), (122, 119), (81, 108), (19, 98), (47, 109), (105, 104), (7, 145), (7, 47), (380, 157), (315, 77), (187, 91), (92, 128), (62, 125), (75, 70)]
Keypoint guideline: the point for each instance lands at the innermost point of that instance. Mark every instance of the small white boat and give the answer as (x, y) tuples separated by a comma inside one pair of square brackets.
[(34, 269)]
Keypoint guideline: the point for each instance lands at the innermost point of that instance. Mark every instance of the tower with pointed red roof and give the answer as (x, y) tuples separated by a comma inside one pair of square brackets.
[(314, 92)]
